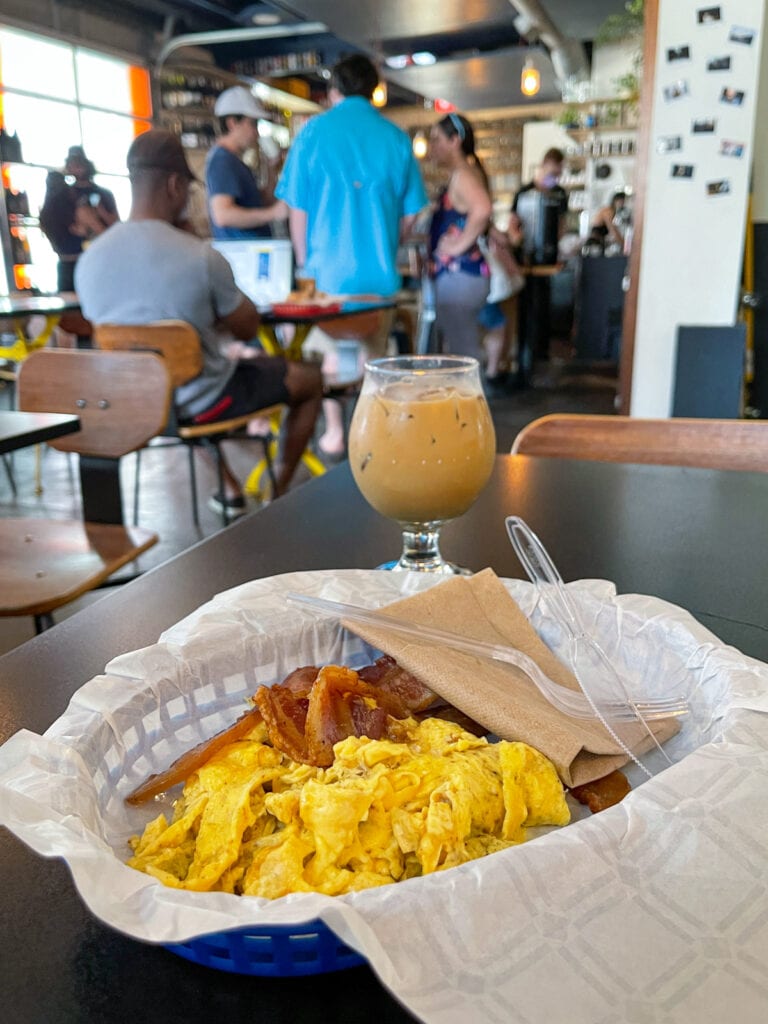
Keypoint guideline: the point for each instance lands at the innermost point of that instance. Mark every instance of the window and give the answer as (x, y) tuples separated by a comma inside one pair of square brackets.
[(53, 96)]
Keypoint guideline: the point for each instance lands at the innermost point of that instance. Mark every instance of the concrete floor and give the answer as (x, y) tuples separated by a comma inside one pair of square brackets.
[(164, 505)]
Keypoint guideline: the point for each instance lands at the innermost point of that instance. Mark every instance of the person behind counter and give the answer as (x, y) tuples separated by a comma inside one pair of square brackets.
[(538, 210), (607, 221), (236, 206), (73, 214), (536, 224)]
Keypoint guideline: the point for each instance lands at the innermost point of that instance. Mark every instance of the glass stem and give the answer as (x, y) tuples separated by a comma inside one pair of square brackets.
[(421, 547)]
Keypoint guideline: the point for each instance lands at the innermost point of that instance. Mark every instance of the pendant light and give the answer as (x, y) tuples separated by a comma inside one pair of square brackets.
[(379, 98), (530, 79), (420, 145)]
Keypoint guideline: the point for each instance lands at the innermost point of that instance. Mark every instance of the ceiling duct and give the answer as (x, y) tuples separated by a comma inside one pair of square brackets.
[(569, 57), (239, 35)]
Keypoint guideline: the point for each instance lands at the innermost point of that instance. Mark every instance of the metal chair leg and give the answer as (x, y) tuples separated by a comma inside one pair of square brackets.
[(43, 622), (220, 470), (9, 473), (266, 444), (193, 485), (136, 489)]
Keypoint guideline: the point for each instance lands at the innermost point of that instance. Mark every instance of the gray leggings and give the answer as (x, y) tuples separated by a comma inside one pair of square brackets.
[(458, 299)]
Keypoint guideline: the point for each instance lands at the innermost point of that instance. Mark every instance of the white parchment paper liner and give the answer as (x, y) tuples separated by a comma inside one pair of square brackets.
[(655, 910)]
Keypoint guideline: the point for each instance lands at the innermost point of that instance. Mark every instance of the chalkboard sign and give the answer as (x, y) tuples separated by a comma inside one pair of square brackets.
[(709, 372)]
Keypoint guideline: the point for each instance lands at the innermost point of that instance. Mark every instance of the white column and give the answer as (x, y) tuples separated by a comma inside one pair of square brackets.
[(693, 239), (760, 154)]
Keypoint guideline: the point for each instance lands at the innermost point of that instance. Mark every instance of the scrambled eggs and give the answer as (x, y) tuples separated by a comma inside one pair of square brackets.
[(253, 822)]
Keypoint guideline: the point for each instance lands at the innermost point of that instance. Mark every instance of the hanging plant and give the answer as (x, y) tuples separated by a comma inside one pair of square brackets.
[(618, 27), (626, 27)]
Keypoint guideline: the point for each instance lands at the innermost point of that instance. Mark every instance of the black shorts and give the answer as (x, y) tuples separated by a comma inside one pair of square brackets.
[(255, 384)]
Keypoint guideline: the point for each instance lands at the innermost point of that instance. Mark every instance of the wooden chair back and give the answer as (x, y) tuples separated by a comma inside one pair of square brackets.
[(122, 398), (175, 340), (704, 443)]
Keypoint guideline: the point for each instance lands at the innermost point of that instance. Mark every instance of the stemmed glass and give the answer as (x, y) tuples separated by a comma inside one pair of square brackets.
[(421, 448)]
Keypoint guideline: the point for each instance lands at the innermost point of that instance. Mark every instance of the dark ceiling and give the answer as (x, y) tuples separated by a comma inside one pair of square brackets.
[(479, 51)]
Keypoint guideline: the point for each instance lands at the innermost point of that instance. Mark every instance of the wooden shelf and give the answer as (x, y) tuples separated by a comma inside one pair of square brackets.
[(189, 111), (600, 129)]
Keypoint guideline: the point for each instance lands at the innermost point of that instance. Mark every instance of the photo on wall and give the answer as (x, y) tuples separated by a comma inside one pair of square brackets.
[(730, 148), (708, 15), (669, 143), (733, 96), (675, 91), (682, 171), (718, 188), (719, 63), (739, 34), (678, 53), (703, 126)]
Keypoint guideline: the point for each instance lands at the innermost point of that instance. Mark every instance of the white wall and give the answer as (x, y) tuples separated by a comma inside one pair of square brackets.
[(538, 137), (610, 63), (760, 155), (692, 245)]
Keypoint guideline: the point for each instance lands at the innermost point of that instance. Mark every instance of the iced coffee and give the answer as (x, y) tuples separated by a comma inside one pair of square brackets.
[(421, 453)]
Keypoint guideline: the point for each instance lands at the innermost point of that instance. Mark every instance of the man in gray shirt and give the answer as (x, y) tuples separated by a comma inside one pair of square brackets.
[(147, 269)]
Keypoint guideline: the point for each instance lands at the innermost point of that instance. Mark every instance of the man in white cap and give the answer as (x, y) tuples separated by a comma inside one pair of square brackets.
[(235, 203)]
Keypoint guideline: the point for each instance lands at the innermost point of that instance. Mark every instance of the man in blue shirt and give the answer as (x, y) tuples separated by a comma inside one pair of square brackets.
[(354, 190), (235, 204)]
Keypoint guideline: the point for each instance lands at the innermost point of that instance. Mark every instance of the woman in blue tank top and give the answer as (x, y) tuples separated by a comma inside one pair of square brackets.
[(460, 218)]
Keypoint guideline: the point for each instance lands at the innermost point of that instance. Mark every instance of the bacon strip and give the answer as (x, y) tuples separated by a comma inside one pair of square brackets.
[(193, 759), (299, 682), (385, 674), (309, 712), (285, 717), (340, 704)]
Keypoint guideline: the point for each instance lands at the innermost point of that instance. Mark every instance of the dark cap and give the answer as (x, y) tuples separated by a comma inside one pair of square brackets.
[(158, 151), (76, 153)]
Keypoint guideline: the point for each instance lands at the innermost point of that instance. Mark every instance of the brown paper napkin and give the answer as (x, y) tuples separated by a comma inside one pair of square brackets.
[(501, 697)]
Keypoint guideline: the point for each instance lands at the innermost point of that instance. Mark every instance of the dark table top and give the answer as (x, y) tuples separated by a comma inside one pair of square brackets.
[(21, 429), (694, 537), (28, 305)]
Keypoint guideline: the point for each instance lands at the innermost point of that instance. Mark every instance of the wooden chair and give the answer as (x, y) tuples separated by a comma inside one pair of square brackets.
[(179, 345), (705, 443), (45, 564)]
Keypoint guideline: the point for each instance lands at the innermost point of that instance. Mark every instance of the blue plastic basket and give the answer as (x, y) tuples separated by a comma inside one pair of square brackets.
[(278, 951)]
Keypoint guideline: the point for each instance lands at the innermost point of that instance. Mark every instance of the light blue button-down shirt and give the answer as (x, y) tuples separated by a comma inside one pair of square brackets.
[(355, 176)]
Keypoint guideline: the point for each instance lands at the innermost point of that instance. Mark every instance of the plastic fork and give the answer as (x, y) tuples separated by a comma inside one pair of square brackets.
[(594, 670), (570, 702)]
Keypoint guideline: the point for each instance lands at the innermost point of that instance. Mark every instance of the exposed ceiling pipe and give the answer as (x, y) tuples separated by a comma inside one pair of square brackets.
[(569, 58), (235, 35), (169, 27)]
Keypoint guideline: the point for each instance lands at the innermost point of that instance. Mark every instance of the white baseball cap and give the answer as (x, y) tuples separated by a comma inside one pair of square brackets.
[(238, 101)]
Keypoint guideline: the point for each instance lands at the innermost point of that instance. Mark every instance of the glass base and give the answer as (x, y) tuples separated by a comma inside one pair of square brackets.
[(443, 569), (421, 552)]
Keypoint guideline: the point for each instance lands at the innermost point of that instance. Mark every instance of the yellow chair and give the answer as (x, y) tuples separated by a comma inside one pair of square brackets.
[(179, 345), (45, 564), (705, 443)]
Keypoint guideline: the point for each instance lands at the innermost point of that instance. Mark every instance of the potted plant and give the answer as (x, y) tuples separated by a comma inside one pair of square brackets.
[(626, 27), (569, 117)]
